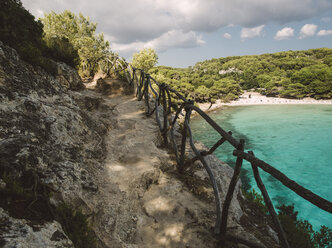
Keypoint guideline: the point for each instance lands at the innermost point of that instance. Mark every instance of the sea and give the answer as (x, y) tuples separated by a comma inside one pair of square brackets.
[(295, 139)]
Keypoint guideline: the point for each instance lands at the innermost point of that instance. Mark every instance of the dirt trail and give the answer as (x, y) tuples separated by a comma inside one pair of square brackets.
[(141, 203)]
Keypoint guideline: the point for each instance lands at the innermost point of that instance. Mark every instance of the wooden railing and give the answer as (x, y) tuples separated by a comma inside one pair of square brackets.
[(159, 100)]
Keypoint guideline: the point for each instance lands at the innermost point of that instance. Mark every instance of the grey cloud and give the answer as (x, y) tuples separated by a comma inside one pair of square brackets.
[(126, 22), (168, 40)]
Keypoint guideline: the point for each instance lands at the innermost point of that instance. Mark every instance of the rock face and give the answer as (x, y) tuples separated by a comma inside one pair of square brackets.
[(68, 77), (18, 233), (49, 142)]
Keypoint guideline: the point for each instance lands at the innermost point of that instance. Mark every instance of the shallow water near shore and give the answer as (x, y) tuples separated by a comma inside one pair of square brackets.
[(295, 139)]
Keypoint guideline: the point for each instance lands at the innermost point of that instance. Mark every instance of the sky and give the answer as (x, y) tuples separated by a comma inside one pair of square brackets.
[(184, 32)]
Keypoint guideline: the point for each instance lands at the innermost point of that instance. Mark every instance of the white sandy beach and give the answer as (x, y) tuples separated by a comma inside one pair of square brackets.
[(254, 98)]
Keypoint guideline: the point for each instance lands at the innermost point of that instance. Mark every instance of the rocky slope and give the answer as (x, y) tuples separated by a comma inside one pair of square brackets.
[(101, 155), (49, 143)]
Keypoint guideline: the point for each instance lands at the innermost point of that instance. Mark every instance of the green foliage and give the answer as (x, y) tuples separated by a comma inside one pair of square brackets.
[(79, 31), (323, 238), (60, 49), (292, 74), (19, 30), (300, 233), (257, 199), (145, 59), (75, 225)]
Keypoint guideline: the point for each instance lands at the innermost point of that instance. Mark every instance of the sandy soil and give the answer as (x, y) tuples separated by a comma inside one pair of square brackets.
[(254, 98)]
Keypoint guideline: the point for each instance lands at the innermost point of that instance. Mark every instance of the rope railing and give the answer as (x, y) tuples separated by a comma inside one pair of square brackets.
[(158, 101)]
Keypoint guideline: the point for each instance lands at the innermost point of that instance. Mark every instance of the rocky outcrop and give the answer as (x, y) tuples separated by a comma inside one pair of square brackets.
[(19, 233), (113, 87), (49, 144), (68, 77)]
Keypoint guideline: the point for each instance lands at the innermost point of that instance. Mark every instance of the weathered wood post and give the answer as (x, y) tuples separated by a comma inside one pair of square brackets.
[(146, 93), (165, 113), (268, 202), (139, 93), (230, 192), (184, 133)]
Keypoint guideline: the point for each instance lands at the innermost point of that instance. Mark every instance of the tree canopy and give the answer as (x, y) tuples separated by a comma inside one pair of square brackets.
[(19, 30), (81, 34), (292, 74), (145, 59)]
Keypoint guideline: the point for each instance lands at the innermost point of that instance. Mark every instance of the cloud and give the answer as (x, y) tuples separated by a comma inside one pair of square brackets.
[(324, 32), (284, 34), (141, 21), (251, 32), (168, 40), (175, 39), (308, 30), (227, 36)]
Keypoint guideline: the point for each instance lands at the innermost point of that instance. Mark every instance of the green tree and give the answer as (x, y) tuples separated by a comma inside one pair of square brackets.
[(292, 74), (300, 233), (80, 32), (145, 59), (60, 49), (202, 94), (19, 30)]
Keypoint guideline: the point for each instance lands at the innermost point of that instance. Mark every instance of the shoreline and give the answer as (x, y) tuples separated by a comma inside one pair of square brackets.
[(255, 98)]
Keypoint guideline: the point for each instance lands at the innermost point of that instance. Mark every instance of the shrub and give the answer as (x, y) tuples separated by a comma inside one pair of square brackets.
[(257, 199), (20, 30), (300, 233), (145, 59), (60, 49)]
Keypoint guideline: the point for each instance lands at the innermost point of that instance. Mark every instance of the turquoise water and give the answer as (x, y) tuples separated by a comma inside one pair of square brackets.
[(295, 139)]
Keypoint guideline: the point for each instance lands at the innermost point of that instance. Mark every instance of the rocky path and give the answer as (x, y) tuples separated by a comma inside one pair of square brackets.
[(141, 203)]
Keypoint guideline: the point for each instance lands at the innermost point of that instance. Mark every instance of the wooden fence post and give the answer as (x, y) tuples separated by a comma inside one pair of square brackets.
[(230, 192), (268, 202), (184, 139)]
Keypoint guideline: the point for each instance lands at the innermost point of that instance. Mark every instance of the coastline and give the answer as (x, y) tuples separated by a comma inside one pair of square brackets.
[(255, 98)]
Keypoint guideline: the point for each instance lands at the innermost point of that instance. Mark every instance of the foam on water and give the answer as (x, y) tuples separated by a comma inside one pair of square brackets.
[(295, 139)]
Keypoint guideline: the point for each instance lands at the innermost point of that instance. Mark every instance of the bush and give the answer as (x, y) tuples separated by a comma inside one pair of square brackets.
[(60, 49), (257, 199), (20, 30), (145, 59), (300, 233)]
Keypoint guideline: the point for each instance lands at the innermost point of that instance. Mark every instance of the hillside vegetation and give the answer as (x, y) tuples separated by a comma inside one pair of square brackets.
[(63, 37), (292, 74)]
